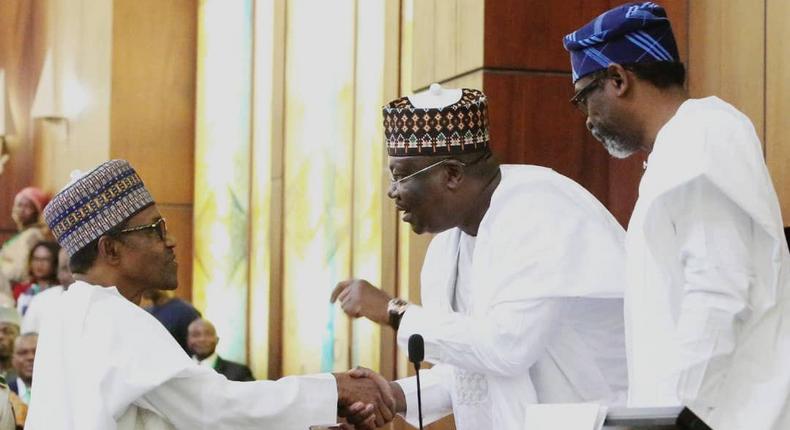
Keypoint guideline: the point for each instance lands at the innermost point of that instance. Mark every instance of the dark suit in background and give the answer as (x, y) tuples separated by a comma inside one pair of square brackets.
[(233, 371)]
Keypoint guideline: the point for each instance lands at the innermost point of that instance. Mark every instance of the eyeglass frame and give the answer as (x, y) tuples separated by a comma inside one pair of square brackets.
[(579, 100), (395, 182), (161, 232)]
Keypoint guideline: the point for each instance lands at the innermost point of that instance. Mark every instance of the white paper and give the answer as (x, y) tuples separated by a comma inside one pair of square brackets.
[(565, 416)]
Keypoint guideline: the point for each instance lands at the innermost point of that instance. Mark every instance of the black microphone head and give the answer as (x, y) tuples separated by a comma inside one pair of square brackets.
[(416, 348)]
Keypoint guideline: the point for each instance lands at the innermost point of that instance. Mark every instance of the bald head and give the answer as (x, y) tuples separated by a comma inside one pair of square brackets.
[(202, 338)]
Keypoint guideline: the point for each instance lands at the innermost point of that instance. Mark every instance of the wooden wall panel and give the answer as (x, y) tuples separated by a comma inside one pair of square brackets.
[(470, 41), (22, 50), (527, 34), (527, 79), (152, 115), (726, 54), (533, 123), (777, 94), (75, 89), (445, 37), (419, 47), (442, 39), (153, 93)]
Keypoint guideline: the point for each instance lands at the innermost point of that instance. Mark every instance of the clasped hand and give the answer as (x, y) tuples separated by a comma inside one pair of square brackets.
[(365, 399)]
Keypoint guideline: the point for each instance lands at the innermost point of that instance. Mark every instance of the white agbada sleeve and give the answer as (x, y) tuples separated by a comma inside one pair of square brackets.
[(504, 342), (714, 236), (203, 399), (102, 360), (437, 402)]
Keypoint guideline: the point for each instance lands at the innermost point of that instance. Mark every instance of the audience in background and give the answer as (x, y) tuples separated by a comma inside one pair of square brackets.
[(12, 411), (175, 314), (26, 212), (45, 302), (202, 341), (43, 274), (5, 292), (9, 331), (24, 356)]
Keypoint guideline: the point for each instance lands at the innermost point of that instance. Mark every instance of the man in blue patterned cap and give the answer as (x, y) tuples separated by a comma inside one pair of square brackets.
[(708, 270), (104, 363)]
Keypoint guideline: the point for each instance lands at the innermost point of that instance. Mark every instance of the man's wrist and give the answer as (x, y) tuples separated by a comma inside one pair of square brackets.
[(395, 310), (400, 398), (342, 395)]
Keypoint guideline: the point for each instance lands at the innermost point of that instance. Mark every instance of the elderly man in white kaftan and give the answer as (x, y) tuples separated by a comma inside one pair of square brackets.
[(104, 363), (707, 305), (521, 288)]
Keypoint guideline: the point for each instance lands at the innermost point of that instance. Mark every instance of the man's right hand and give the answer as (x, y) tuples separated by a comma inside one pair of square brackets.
[(365, 398)]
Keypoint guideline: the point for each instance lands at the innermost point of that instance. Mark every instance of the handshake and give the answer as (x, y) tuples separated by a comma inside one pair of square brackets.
[(366, 400)]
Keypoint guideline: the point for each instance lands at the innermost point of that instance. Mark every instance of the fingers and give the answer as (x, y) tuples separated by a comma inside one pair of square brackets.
[(339, 288), (384, 398), (359, 413), (368, 424), (360, 372), (387, 397)]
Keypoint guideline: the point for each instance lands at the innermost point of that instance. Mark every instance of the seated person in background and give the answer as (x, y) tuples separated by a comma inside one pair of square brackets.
[(45, 302), (24, 356), (175, 314), (26, 212), (43, 274), (9, 331), (5, 291), (202, 341), (12, 411)]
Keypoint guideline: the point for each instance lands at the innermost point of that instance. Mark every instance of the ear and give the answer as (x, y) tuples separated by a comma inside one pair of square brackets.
[(620, 77), (455, 173), (109, 250)]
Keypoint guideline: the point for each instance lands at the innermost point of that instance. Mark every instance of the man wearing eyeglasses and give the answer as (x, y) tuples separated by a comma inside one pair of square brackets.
[(104, 363), (707, 300), (521, 286)]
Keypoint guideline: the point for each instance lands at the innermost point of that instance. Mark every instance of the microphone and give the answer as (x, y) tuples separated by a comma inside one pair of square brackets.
[(416, 355)]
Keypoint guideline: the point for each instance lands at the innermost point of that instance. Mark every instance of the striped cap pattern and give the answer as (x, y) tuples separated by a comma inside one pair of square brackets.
[(628, 34), (95, 203)]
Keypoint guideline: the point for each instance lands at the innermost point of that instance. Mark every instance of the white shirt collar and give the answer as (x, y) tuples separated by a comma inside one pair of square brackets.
[(209, 361), (22, 389)]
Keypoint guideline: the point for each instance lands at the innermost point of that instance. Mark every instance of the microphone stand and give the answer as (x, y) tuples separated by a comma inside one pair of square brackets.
[(419, 393)]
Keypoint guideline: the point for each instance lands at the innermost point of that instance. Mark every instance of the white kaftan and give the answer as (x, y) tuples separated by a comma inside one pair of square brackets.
[(103, 363), (545, 319), (707, 315)]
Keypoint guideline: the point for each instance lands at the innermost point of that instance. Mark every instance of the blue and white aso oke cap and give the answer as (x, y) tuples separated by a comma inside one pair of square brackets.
[(628, 34)]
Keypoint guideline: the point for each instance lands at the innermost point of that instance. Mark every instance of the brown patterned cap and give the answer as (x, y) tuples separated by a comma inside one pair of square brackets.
[(94, 203), (459, 128)]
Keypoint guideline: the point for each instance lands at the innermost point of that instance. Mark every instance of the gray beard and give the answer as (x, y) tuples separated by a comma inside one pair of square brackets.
[(615, 146)]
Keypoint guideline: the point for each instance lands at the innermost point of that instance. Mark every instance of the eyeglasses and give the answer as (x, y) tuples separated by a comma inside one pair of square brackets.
[(160, 225), (580, 98), (425, 169), (395, 182)]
